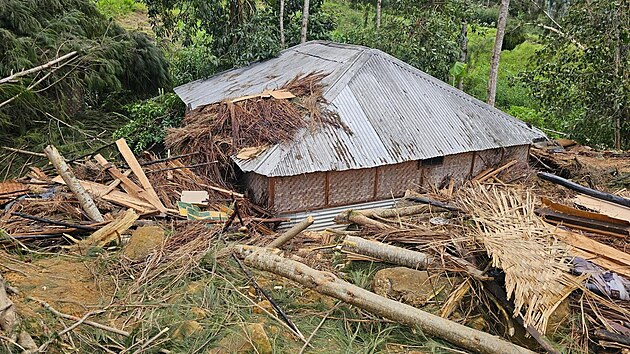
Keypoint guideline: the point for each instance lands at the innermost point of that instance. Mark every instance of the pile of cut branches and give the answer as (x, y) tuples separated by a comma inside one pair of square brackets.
[(220, 129)]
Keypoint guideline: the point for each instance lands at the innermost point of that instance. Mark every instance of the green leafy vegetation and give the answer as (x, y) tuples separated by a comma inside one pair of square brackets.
[(149, 120), (73, 103), (581, 75), (117, 8)]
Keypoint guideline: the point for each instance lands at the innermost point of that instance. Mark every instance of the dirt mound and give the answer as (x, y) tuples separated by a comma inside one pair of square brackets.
[(65, 283)]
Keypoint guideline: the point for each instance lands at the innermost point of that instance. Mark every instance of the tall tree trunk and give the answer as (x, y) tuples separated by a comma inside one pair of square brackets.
[(282, 24), (496, 52), (617, 65), (463, 51), (379, 5), (304, 21)]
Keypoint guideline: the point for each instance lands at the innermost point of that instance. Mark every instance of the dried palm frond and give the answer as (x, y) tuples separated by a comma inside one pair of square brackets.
[(534, 261)]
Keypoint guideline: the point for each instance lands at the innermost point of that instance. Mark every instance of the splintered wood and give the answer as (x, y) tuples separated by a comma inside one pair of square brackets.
[(534, 261), (109, 232)]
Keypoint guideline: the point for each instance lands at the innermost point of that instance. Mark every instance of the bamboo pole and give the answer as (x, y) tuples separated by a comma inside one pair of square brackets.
[(328, 284), (73, 183)]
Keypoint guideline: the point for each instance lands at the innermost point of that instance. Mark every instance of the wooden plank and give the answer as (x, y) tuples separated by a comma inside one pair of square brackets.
[(611, 209), (128, 185), (584, 243), (605, 228), (116, 182), (497, 171), (602, 262), (129, 157), (582, 213)]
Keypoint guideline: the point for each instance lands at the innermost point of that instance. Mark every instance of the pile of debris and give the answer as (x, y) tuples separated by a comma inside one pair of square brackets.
[(497, 266), (506, 251)]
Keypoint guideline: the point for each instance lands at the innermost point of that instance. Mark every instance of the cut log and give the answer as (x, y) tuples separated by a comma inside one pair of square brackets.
[(98, 190), (396, 212), (387, 253), (291, 233), (129, 157), (328, 284), (73, 184), (402, 256), (354, 217), (109, 232), (584, 190)]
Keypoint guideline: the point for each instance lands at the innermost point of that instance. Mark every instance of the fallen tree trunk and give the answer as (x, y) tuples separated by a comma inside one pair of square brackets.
[(328, 284), (584, 190), (291, 233), (73, 183)]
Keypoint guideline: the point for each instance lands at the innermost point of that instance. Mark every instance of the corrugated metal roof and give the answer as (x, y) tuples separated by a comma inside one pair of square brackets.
[(324, 218), (394, 111)]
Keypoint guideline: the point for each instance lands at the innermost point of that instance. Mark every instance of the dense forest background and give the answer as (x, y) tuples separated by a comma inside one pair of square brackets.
[(564, 64)]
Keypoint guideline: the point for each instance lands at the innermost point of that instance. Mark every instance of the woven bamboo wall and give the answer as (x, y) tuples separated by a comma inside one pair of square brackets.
[(318, 190), (456, 167), (486, 159), (396, 179), (299, 193), (519, 153), (348, 187), (256, 188)]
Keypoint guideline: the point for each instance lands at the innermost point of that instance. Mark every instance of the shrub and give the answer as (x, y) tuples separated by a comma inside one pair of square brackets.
[(149, 120)]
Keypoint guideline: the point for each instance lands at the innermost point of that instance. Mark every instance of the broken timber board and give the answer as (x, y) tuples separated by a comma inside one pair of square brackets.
[(129, 157), (607, 208), (109, 232), (128, 185), (582, 213), (120, 198), (605, 228)]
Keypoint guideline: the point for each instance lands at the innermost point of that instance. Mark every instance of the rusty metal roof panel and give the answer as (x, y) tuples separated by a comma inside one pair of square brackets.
[(392, 112)]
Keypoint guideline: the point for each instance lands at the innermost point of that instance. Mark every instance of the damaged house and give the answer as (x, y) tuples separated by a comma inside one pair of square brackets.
[(400, 128)]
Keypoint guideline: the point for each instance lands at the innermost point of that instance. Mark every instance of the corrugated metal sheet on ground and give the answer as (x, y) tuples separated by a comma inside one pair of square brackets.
[(324, 217), (395, 112)]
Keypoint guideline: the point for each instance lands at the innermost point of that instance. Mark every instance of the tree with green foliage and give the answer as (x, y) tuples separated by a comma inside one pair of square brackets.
[(424, 34), (582, 74), (70, 103), (237, 32)]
